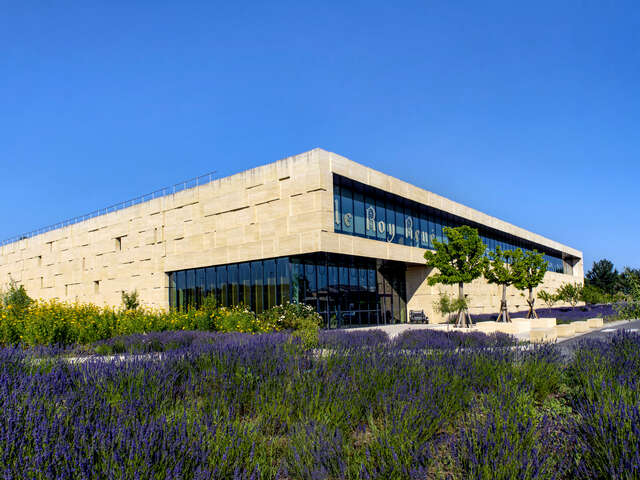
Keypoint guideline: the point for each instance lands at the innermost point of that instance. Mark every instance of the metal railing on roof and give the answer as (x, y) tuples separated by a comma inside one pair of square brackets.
[(163, 192)]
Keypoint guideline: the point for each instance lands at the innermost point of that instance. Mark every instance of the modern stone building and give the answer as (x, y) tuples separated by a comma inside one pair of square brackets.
[(316, 228)]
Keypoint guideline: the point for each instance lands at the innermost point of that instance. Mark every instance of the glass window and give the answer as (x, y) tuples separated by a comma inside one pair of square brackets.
[(232, 280), (408, 227), (362, 279), (311, 292), (322, 279), (445, 224), (210, 280), (344, 279), (257, 280), (358, 214), (334, 283), (222, 287), (310, 280), (416, 228), (297, 280), (391, 222), (172, 290), (439, 233), (244, 282), (353, 279), (284, 295), (270, 283), (432, 232), (381, 225), (191, 288), (370, 218), (424, 230), (200, 286), (347, 210), (181, 285), (362, 210), (399, 214), (337, 215), (371, 273)]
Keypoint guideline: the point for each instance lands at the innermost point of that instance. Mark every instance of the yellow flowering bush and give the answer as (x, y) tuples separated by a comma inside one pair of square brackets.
[(62, 323)]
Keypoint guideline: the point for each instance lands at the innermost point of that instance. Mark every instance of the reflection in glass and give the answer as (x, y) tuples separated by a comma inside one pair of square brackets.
[(270, 283), (283, 281), (346, 200), (222, 286), (366, 211), (244, 281), (257, 280), (345, 290), (358, 214)]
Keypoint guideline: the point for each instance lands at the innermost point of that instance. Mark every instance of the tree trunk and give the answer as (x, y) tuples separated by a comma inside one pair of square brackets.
[(532, 313), (464, 319), (504, 311)]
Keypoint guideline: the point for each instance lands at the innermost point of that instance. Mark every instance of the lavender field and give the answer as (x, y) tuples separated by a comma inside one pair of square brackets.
[(262, 407)]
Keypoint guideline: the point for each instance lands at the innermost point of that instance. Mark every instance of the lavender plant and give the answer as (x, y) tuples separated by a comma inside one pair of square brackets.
[(224, 406)]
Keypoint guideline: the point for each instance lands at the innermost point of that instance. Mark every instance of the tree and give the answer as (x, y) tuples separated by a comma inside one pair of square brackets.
[(592, 295), (529, 274), (548, 298), (500, 271), (570, 293), (458, 261), (627, 279), (603, 276)]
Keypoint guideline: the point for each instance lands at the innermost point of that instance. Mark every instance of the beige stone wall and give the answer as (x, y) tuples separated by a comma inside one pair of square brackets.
[(274, 210), (283, 208)]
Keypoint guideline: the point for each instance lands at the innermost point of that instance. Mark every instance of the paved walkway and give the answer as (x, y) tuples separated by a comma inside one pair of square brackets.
[(395, 330), (606, 331)]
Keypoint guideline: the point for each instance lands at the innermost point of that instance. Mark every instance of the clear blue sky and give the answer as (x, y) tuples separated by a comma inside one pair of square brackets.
[(530, 113)]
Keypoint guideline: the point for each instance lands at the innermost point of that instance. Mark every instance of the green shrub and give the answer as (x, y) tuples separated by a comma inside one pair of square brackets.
[(630, 307), (591, 295), (130, 301), (54, 322), (292, 316), (237, 319), (302, 319), (446, 304), (307, 332), (25, 321), (548, 298), (570, 293), (16, 297)]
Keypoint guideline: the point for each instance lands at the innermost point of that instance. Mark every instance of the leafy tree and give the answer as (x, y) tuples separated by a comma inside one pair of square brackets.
[(549, 299), (570, 293), (529, 273), (500, 271), (630, 308), (627, 279), (591, 295), (458, 261), (603, 276)]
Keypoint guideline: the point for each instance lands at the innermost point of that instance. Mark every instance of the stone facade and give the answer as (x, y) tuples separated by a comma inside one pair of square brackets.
[(280, 209)]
